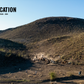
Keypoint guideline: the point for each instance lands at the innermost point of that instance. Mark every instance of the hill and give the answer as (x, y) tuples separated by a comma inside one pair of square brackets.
[(52, 37), (45, 28)]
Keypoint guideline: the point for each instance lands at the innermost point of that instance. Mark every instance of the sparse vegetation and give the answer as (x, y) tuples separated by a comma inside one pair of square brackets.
[(52, 76), (53, 35)]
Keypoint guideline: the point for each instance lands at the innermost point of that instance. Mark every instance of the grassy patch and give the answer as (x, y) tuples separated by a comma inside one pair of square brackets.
[(52, 76), (1, 49)]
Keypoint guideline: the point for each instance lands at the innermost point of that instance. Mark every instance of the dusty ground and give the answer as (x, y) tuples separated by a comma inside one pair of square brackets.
[(38, 73)]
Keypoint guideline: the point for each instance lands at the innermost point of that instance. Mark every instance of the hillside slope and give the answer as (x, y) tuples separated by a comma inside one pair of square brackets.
[(45, 28), (52, 37), (67, 47)]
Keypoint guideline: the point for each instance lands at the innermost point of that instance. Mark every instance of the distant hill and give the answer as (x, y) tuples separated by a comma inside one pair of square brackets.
[(1, 31), (45, 28)]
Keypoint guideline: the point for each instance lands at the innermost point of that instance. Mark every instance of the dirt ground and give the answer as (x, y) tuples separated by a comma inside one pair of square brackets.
[(38, 73)]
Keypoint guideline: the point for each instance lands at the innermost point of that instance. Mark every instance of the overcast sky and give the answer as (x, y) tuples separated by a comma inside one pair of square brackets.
[(31, 10)]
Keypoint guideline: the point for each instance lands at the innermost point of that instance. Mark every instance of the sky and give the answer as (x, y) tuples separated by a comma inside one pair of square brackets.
[(30, 10)]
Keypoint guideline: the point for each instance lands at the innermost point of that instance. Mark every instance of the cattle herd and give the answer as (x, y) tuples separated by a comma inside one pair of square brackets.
[(48, 61)]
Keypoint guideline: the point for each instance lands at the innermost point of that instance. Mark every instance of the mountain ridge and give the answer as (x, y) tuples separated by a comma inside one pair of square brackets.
[(45, 28)]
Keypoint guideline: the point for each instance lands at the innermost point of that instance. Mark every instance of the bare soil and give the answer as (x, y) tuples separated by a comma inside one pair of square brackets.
[(38, 73)]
